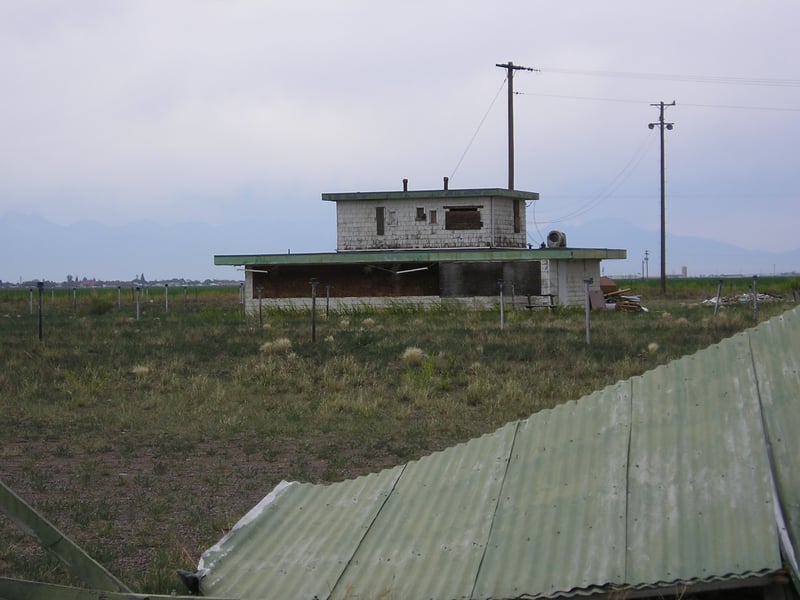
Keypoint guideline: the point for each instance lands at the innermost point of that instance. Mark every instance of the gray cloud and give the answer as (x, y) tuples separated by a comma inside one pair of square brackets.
[(208, 111)]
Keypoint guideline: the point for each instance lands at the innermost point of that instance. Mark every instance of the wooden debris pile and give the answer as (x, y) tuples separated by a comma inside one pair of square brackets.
[(620, 299), (623, 300)]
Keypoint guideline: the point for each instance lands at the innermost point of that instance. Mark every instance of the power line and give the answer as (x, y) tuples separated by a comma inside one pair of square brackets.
[(715, 79), (474, 135), (615, 183), (629, 101)]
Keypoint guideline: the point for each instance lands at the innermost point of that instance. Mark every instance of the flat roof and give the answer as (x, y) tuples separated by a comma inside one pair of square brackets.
[(433, 194), (440, 255)]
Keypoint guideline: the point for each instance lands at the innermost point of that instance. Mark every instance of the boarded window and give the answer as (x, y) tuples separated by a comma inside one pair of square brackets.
[(420, 213), (517, 218), (379, 219), (432, 215), (463, 217)]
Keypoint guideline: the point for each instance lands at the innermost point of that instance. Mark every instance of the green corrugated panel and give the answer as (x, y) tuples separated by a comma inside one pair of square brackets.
[(297, 545), (775, 353), (430, 536), (561, 520), (663, 478), (700, 500)]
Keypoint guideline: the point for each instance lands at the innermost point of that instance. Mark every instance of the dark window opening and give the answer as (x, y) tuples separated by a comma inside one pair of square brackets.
[(420, 213), (379, 219), (463, 217), (517, 218)]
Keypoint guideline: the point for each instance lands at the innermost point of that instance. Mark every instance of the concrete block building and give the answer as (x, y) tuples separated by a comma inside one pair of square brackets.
[(425, 247)]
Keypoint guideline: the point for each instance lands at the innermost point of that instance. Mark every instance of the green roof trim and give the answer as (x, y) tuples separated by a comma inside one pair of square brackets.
[(425, 256), (433, 194)]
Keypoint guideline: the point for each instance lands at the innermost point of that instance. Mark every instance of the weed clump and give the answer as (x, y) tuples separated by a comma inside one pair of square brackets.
[(276, 346), (140, 370), (413, 356)]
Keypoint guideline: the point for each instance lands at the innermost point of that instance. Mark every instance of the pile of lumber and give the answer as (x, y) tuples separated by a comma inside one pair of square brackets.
[(623, 300)]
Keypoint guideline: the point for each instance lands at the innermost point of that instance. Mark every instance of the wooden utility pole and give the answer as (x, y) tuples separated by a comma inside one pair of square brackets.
[(661, 125), (511, 67)]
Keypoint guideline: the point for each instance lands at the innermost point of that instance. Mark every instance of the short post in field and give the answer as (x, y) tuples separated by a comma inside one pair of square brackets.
[(586, 283), (40, 285), (314, 281), (260, 317), (327, 301), (502, 313), (755, 298)]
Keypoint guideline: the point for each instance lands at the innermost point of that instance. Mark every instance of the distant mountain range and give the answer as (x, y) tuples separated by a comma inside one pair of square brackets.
[(699, 256), (33, 248)]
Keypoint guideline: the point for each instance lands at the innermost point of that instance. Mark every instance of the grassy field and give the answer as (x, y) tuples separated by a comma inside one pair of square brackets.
[(144, 439)]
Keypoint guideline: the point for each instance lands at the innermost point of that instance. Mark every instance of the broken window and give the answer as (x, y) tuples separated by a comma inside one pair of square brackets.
[(463, 217), (379, 219), (420, 213)]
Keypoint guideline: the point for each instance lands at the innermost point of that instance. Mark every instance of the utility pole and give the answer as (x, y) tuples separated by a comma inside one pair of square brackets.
[(511, 67), (661, 124)]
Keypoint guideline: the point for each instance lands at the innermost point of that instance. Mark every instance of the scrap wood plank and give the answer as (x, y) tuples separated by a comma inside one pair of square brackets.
[(51, 539)]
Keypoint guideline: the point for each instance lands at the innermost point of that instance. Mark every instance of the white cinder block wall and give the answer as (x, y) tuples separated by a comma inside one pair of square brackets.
[(564, 279), (357, 228)]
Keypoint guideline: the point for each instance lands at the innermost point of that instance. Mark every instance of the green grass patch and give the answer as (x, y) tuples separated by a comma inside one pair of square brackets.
[(146, 438)]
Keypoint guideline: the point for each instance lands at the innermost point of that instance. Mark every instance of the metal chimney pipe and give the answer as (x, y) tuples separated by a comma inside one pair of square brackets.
[(446, 183), (405, 184)]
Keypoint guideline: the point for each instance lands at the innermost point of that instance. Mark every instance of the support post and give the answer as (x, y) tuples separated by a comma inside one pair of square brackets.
[(502, 313), (755, 298), (719, 296), (314, 281), (40, 285), (588, 303)]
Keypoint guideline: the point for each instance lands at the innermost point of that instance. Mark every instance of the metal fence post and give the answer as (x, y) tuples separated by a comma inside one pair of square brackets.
[(586, 283), (502, 313), (755, 298), (314, 281), (40, 285)]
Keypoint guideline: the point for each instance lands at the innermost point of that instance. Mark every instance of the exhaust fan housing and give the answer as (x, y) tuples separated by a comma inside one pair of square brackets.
[(556, 239)]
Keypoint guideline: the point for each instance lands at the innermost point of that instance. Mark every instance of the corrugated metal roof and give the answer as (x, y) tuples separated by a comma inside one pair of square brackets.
[(662, 479), (424, 256)]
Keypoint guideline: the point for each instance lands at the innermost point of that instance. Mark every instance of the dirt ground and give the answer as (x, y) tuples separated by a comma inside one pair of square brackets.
[(137, 509)]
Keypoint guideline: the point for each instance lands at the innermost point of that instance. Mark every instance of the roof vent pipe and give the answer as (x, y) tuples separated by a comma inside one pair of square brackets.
[(405, 184), (446, 183)]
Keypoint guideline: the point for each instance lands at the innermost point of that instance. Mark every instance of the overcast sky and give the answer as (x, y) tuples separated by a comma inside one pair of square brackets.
[(222, 111)]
